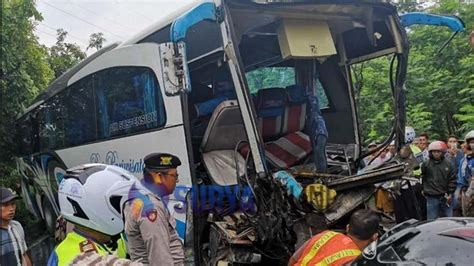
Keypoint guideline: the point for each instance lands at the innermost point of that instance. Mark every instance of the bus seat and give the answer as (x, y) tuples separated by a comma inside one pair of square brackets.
[(224, 132), (270, 110), (295, 111), (288, 150), (222, 168), (207, 107), (293, 145)]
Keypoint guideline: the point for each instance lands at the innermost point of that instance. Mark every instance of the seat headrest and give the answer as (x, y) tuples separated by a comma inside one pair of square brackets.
[(271, 98), (207, 107), (225, 128), (296, 93)]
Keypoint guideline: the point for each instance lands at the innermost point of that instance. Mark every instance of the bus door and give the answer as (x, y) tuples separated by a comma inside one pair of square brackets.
[(138, 113)]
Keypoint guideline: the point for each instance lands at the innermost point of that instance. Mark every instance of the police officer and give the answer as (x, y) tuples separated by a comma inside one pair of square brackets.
[(149, 227), (91, 197)]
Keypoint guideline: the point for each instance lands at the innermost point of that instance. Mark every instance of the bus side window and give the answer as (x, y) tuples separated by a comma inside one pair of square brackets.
[(25, 136), (79, 119), (128, 101)]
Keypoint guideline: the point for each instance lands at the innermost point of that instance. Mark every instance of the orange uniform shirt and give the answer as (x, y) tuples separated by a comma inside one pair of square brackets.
[(328, 248)]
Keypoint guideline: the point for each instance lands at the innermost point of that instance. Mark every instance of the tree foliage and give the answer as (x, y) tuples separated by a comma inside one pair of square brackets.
[(96, 41), (27, 68), (24, 72), (64, 55), (270, 77), (439, 85)]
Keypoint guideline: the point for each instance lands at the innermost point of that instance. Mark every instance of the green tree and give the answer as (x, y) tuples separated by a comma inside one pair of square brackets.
[(64, 55), (439, 86), (268, 77), (96, 40), (374, 98), (24, 73), (443, 81)]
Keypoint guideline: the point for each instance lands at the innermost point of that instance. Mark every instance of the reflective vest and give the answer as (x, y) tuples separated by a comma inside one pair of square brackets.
[(418, 154), (75, 244), (329, 248), (122, 251)]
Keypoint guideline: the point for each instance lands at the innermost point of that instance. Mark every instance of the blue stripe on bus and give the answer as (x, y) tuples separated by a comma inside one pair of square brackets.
[(181, 228)]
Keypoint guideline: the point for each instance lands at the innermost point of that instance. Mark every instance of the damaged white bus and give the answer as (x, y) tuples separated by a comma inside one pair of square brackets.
[(195, 85)]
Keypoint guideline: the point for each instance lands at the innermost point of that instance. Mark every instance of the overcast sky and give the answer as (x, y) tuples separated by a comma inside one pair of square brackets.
[(117, 19)]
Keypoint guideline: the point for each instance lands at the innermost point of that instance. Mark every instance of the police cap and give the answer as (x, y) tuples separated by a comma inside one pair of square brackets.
[(161, 161)]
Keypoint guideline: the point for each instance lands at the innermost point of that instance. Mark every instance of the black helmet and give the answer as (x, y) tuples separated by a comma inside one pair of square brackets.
[(445, 241)]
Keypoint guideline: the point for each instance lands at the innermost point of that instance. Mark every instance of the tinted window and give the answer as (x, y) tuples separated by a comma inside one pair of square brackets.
[(388, 255), (80, 119), (51, 123), (26, 137), (128, 100), (68, 118), (270, 77), (109, 103)]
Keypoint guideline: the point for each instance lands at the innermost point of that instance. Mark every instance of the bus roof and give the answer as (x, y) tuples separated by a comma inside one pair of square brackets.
[(61, 82)]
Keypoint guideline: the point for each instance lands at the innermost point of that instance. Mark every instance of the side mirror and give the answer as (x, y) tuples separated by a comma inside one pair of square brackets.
[(174, 68)]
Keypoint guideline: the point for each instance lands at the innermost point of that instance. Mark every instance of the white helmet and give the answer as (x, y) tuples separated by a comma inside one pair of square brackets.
[(437, 146), (409, 134), (93, 195), (469, 135)]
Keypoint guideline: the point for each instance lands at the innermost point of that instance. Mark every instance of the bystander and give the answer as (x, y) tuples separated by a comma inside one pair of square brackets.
[(454, 153), (439, 182), (423, 145), (13, 244)]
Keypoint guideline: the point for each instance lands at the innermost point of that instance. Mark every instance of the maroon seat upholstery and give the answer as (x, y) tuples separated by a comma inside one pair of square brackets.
[(295, 110), (281, 115), (288, 150), (270, 107)]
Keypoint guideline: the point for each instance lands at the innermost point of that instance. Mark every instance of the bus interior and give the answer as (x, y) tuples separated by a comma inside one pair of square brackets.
[(278, 80), (285, 50)]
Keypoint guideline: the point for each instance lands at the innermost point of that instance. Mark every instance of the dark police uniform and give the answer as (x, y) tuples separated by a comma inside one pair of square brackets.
[(150, 229)]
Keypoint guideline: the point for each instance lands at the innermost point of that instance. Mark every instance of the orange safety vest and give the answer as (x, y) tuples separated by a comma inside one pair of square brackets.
[(329, 248)]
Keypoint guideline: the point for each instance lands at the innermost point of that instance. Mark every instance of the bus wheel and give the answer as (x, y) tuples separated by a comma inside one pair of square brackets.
[(49, 216)]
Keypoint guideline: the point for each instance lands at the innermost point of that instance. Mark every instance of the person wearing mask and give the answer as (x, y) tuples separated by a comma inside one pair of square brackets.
[(439, 182), (423, 145), (465, 173), (454, 154), (91, 197), (13, 244), (150, 229), (333, 248)]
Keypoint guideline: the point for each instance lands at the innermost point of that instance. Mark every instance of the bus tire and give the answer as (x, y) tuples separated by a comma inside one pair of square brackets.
[(49, 216)]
